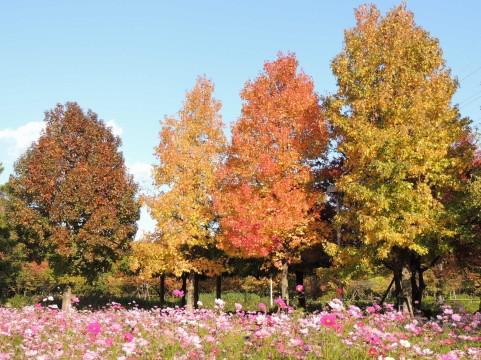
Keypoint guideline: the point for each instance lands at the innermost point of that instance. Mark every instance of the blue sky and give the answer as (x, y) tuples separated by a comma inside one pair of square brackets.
[(133, 61)]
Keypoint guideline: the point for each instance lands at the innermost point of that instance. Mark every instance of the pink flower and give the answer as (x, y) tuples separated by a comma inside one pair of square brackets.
[(262, 307), (109, 342), (328, 320), (371, 309), (38, 306), (178, 293), (449, 356), (94, 328), (238, 307), (456, 317), (75, 300), (281, 303), (128, 337), (300, 288)]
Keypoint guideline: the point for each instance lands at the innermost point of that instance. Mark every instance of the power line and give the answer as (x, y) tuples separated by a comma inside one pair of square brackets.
[(471, 101), (469, 98), (471, 73)]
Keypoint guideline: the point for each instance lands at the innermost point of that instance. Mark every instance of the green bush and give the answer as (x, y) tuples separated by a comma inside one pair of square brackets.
[(19, 301)]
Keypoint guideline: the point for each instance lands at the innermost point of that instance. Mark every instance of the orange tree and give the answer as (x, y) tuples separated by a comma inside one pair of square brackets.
[(266, 200), (190, 151), (72, 201)]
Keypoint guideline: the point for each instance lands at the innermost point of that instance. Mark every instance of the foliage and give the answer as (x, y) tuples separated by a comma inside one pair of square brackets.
[(190, 151), (71, 200), (265, 200), (396, 131), (35, 279), (12, 253)]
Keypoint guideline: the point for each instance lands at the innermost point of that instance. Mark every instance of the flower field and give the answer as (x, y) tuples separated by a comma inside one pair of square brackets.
[(42, 332)]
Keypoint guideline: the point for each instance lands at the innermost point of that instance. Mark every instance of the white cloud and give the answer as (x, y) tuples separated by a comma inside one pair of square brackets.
[(16, 141), (142, 173), (116, 129), (145, 224)]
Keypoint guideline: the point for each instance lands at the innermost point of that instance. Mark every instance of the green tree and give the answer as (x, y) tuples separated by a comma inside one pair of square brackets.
[(12, 255), (72, 201), (397, 131), (467, 250)]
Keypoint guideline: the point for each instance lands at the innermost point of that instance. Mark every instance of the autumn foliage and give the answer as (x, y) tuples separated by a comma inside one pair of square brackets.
[(397, 132), (265, 198), (72, 201)]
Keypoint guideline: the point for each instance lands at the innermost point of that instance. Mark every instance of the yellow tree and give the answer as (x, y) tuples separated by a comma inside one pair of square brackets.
[(397, 134), (190, 151), (151, 258)]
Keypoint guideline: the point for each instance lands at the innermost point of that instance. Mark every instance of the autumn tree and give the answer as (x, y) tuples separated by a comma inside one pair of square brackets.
[(152, 257), (72, 201), (190, 151), (397, 132), (266, 200)]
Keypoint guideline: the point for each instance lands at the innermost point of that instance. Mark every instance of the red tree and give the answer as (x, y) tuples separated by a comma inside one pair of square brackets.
[(265, 199)]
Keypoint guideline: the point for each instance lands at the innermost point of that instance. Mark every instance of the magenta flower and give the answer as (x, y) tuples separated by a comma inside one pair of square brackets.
[(128, 337), (94, 328), (281, 303), (328, 320), (300, 288), (178, 293)]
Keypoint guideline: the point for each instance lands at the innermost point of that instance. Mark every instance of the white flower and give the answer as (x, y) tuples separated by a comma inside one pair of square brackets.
[(50, 298), (129, 347), (405, 343), (336, 305), (200, 303), (219, 303)]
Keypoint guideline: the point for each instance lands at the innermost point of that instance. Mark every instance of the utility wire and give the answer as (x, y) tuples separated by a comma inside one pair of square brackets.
[(469, 98), (471, 73), (470, 101)]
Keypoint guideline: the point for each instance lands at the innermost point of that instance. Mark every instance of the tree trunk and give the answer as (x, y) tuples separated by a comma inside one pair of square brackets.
[(218, 286), (67, 299), (196, 290), (301, 295), (162, 290), (184, 289), (190, 291), (407, 291), (285, 282), (386, 293), (417, 281), (397, 275)]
